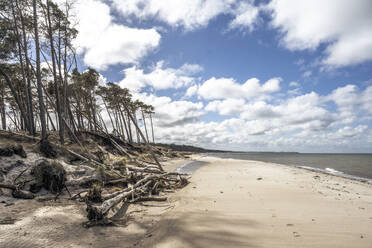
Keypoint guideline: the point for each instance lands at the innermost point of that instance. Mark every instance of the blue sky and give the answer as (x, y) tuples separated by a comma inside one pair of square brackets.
[(242, 75)]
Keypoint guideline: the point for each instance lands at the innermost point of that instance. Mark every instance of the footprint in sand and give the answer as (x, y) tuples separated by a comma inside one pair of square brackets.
[(296, 235)]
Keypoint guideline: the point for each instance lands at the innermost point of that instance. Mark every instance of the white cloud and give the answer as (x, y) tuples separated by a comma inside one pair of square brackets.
[(345, 26), (246, 16), (226, 107), (348, 132), (294, 92), (302, 123), (104, 42), (223, 88), (302, 112), (171, 113), (294, 84), (307, 74), (345, 97), (160, 78), (191, 91), (367, 99), (190, 14)]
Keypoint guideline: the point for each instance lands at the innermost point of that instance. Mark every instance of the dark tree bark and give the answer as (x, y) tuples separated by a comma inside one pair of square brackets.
[(2, 109)]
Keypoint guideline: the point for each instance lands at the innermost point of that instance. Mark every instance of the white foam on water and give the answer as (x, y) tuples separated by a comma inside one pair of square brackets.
[(333, 171)]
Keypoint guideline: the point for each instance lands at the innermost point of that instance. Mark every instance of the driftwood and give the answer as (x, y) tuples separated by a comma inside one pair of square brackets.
[(99, 212), (132, 178), (16, 192), (85, 180), (141, 191)]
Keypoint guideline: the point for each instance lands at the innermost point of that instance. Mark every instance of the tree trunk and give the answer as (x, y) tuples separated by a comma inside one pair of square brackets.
[(56, 88), (20, 57), (129, 129), (124, 124), (38, 76), (27, 70), (144, 123), (135, 119), (143, 137), (14, 93), (152, 130), (2, 110), (108, 112)]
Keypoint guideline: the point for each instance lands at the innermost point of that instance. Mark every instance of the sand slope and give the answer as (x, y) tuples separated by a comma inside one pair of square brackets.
[(226, 206)]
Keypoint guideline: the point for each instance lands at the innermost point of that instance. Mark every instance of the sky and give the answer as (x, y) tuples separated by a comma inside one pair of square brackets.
[(279, 75)]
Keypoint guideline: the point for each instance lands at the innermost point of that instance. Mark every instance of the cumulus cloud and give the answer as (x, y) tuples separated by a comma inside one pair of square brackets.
[(169, 112), (367, 99), (190, 14), (344, 26), (301, 123), (246, 16), (226, 107), (348, 132), (104, 42), (191, 91), (160, 78), (223, 88)]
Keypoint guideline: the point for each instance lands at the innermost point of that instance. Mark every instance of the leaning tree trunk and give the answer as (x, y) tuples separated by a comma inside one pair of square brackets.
[(152, 130), (144, 123), (129, 129), (143, 137), (135, 118), (14, 93)]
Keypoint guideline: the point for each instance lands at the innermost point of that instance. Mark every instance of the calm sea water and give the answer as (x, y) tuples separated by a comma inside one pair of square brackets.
[(347, 165)]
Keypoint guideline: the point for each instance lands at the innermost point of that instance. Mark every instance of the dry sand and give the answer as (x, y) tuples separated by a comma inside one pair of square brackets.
[(59, 224), (228, 205), (225, 205)]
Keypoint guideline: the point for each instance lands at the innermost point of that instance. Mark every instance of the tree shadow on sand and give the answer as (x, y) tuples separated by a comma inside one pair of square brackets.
[(197, 230)]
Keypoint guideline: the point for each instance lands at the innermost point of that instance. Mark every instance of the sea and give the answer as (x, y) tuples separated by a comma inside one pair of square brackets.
[(354, 166)]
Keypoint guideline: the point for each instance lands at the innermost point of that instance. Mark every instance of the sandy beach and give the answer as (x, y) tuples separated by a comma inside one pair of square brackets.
[(229, 203), (239, 203)]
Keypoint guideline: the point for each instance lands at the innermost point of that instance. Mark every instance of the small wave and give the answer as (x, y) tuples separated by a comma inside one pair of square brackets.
[(333, 171)]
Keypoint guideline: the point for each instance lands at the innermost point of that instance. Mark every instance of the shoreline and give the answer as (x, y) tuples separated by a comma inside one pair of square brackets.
[(246, 203), (228, 203), (308, 168)]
